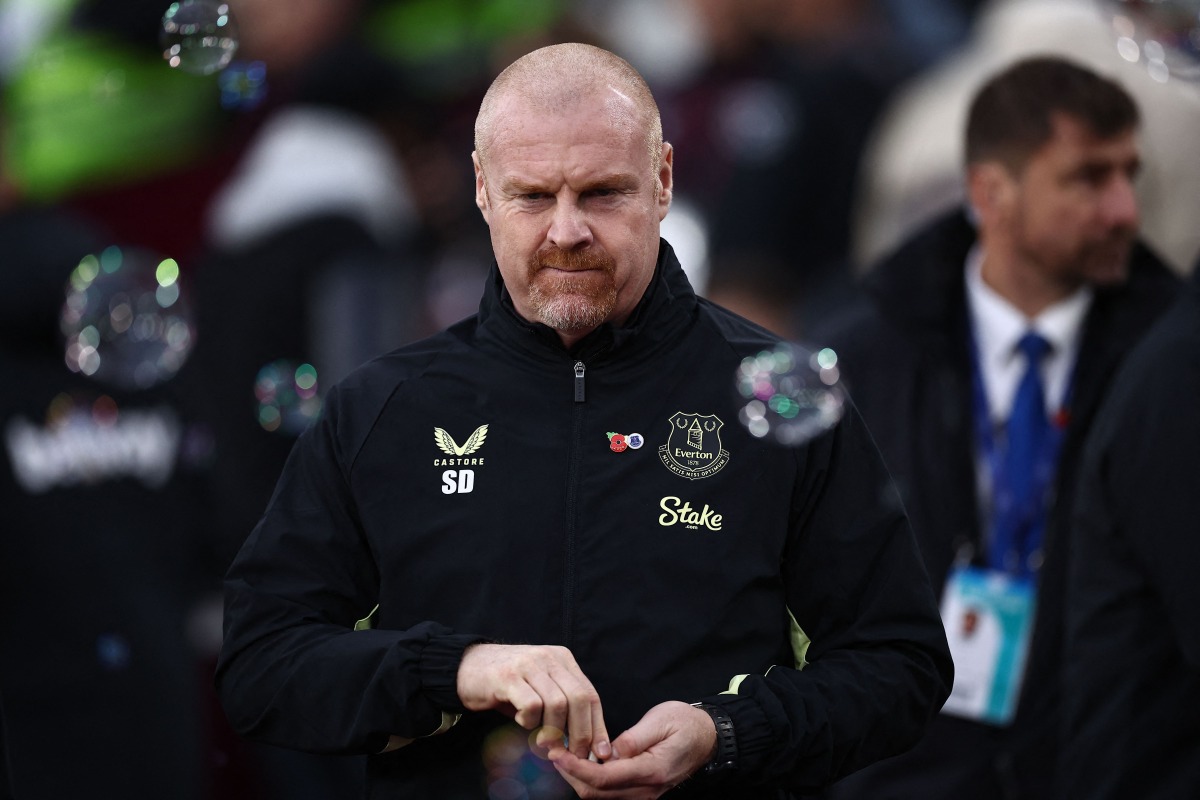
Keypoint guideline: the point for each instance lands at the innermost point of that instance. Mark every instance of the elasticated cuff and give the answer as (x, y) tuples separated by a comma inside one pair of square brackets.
[(439, 669), (750, 728)]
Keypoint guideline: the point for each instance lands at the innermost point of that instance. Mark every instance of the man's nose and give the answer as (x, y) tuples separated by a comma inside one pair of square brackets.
[(1120, 204), (569, 228)]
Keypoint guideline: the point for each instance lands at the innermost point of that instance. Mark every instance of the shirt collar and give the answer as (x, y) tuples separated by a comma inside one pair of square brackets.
[(999, 325)]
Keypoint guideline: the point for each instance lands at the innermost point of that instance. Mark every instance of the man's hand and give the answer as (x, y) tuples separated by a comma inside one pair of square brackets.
[(538, 686), (670, 743)]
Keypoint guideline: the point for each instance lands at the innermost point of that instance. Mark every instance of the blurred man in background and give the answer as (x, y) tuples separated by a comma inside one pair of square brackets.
[(978, 357)]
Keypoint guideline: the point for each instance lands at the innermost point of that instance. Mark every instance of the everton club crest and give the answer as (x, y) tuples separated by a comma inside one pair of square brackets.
[(693, 450)]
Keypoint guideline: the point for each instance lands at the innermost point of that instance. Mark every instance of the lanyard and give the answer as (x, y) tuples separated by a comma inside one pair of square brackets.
[(1015, 530)]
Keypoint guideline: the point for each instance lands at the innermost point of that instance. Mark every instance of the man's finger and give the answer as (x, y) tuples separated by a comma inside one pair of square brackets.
[(601, 745), (583, 712), (579, 713), (527, 702), (553, 701), (611, 779), (545, 688)]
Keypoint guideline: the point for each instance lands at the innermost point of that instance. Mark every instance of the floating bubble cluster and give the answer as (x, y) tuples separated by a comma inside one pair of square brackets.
[(126, 318), (199, 36), (790, 394), (1162, 34), (288, 397)]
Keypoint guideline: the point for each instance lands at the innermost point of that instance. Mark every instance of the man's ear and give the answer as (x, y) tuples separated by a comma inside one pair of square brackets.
[(666, 180), (481, 195), (991, 190)]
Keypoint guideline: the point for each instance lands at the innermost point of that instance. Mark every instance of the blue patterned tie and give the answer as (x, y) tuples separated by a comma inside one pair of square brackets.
[(1027, 427)]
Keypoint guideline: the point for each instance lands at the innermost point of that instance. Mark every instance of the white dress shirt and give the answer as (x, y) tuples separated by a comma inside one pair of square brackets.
[(999, 326)]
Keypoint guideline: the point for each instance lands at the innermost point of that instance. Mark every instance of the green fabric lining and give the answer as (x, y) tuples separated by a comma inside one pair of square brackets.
[(367, 622)]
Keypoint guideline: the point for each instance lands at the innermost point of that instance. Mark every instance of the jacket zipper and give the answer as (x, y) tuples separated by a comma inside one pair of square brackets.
[(572, 510)]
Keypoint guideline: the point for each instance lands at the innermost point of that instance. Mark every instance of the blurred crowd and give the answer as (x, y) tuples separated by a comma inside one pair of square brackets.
[(310, 205)]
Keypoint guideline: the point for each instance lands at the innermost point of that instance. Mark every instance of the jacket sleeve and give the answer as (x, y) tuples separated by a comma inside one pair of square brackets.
[(872, 664), (293, 671), (1140, 468)]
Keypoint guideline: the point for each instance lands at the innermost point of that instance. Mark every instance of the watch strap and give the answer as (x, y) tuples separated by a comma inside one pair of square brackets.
[(725, 757)]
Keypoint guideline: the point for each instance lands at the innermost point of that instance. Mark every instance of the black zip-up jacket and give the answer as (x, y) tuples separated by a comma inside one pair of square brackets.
[(467, 486)]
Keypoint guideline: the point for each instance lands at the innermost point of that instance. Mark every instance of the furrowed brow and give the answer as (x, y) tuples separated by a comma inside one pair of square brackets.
[(519, 186)]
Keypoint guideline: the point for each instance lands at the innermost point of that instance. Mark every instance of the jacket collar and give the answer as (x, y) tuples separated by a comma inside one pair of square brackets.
[(665, 309), (921, 286)]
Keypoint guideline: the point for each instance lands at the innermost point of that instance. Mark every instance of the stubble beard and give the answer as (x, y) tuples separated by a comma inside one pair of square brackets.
[(1109, 260), (581, 298), (1098, 263), (1101, 261)]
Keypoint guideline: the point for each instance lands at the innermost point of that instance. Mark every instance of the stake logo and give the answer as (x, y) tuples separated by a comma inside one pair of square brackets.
[(680, 512)]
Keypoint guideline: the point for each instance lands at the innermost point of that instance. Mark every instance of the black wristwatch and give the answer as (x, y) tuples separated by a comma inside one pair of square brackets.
[(726, 755)]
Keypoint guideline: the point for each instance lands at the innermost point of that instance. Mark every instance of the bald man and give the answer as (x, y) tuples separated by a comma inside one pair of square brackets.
[(538, 519)]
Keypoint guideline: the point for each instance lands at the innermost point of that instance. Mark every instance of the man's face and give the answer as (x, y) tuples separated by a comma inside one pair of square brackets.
[(574, 206), (1074, 214)]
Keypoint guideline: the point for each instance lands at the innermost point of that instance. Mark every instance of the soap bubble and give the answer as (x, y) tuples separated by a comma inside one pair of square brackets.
[(1162, 34), (126, 319), (288, 397), (789, 394), (199, 36)]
